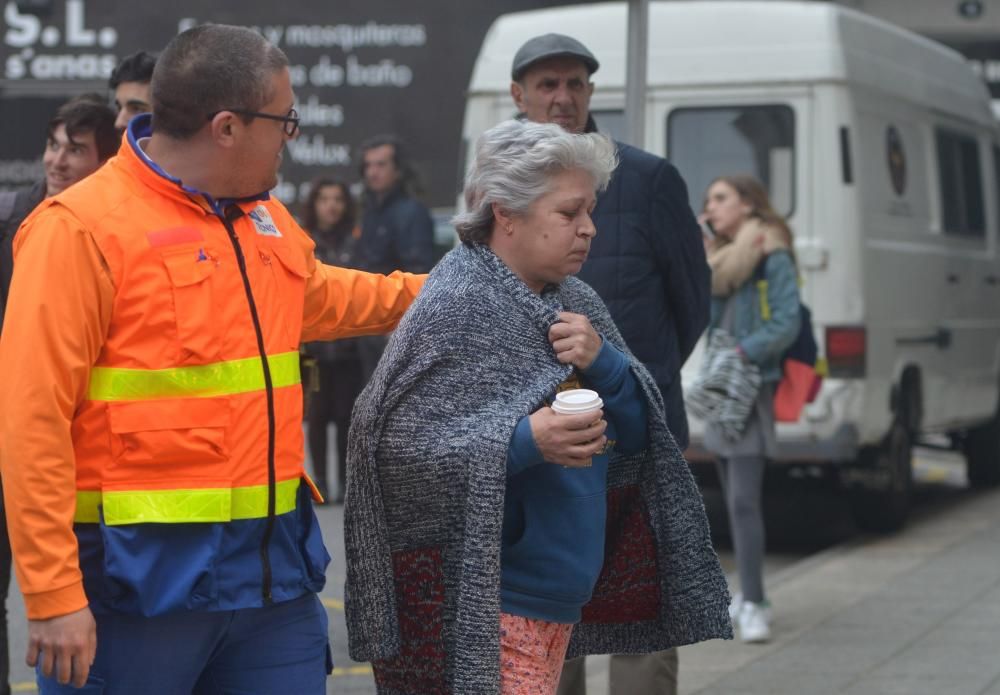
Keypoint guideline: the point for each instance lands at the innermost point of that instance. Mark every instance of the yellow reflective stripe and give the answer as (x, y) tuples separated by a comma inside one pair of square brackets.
[(822, 367), (202, 381), (198, 505), (765, 307), (87, 502)]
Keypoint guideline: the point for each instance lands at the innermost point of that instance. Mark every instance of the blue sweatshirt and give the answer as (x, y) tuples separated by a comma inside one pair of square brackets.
[(554, 517)]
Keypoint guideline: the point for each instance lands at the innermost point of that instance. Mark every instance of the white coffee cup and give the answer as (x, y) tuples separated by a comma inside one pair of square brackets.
[(576, 401)]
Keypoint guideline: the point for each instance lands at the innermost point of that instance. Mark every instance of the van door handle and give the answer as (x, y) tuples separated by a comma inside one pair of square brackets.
[(942, 339), (952, 278), (992, 280)]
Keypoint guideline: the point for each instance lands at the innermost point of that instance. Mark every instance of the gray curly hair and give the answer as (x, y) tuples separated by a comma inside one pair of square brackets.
[(514, 165)]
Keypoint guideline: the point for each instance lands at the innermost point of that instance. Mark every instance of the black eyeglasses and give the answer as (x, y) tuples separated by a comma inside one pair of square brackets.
[(291, 121)]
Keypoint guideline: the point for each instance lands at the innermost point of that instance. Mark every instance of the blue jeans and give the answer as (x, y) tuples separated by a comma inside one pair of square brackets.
[(273, 650)]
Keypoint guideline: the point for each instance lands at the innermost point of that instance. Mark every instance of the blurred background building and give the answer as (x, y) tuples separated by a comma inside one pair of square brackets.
[(359, 67)]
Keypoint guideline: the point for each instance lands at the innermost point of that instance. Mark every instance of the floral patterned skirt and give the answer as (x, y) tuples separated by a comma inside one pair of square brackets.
[(532, 653)]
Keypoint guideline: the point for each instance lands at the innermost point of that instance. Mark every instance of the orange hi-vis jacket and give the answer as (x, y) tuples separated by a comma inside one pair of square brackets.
[(152, 387)]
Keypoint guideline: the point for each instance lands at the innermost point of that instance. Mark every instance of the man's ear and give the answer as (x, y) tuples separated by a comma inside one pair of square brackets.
[(225, 126), (517, 94)]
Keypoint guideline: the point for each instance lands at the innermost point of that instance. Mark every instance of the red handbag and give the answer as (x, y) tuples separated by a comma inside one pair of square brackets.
[(799, 385)]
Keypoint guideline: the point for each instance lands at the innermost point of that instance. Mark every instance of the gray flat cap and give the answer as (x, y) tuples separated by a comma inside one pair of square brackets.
[(550, 46)]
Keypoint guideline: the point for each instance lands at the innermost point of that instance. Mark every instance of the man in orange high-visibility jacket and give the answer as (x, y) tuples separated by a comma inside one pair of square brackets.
[(150, 414)]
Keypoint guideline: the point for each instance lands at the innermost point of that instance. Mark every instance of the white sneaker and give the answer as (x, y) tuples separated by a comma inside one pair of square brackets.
[(754, 622), (735, 605)]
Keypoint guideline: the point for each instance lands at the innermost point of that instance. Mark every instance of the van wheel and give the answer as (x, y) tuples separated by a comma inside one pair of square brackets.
[(882, 505), (982, 454)]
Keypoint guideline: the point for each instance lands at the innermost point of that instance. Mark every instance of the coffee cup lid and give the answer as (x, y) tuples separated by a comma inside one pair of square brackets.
[(577, 401)]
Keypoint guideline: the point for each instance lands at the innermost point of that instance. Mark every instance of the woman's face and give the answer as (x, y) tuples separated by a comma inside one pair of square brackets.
[(725, 210), (330, 206), (552, 239)]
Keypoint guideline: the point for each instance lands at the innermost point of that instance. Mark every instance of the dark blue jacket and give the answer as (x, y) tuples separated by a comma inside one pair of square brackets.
[(554, 517), (648, 264), (397, 233), (14, 207)]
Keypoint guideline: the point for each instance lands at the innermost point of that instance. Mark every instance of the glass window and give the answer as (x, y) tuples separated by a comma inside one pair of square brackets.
[(961, 184), (611, 123), (705, 143)]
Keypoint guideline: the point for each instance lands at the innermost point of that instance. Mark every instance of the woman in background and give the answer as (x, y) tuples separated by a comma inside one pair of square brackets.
[(329, 217), (755, 299)]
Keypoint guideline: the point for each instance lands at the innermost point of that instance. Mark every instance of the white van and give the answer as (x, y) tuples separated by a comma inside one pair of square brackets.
[(881, 149)]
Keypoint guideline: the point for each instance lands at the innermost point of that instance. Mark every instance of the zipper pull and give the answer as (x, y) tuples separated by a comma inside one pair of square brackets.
[(266, 259)]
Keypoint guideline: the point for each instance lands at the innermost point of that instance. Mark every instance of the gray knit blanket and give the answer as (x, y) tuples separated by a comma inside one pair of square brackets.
[(426, 479)]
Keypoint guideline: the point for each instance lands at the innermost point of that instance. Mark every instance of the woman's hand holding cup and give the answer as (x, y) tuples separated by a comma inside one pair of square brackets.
[(570, 433)]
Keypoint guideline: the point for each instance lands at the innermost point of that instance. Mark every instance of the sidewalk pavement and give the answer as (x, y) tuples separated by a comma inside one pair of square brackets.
[(913, 613)]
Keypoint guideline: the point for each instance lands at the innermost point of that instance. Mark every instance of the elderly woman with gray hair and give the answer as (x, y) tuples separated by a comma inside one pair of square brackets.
[(487, 535)]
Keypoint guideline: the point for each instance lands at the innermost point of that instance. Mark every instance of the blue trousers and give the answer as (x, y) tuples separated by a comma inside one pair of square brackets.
[(273, 650)]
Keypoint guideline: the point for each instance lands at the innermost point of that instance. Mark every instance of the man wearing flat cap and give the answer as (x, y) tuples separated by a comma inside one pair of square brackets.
[(647, 263)]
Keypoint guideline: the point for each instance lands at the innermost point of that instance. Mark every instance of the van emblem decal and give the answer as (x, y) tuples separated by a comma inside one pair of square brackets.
[(896, 160)]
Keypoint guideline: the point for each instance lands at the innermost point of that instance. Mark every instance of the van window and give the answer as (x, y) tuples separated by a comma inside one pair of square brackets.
[(705, 143), (610, 122), (961, 184)]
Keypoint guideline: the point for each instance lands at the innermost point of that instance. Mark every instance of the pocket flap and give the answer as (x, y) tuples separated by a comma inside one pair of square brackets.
[(291, 258), (188, 267), (168, 414)]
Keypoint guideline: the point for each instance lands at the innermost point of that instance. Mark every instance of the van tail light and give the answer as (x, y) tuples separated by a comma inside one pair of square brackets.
[(845, 351)]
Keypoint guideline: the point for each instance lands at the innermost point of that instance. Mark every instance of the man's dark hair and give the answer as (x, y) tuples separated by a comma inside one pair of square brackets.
[(211, 68), (400, 158), (88, 113), (137, 67)]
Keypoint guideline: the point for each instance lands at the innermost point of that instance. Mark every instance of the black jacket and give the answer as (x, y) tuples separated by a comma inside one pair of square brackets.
[(397, 233), (14, 207), (648, 264), (339, 247)]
